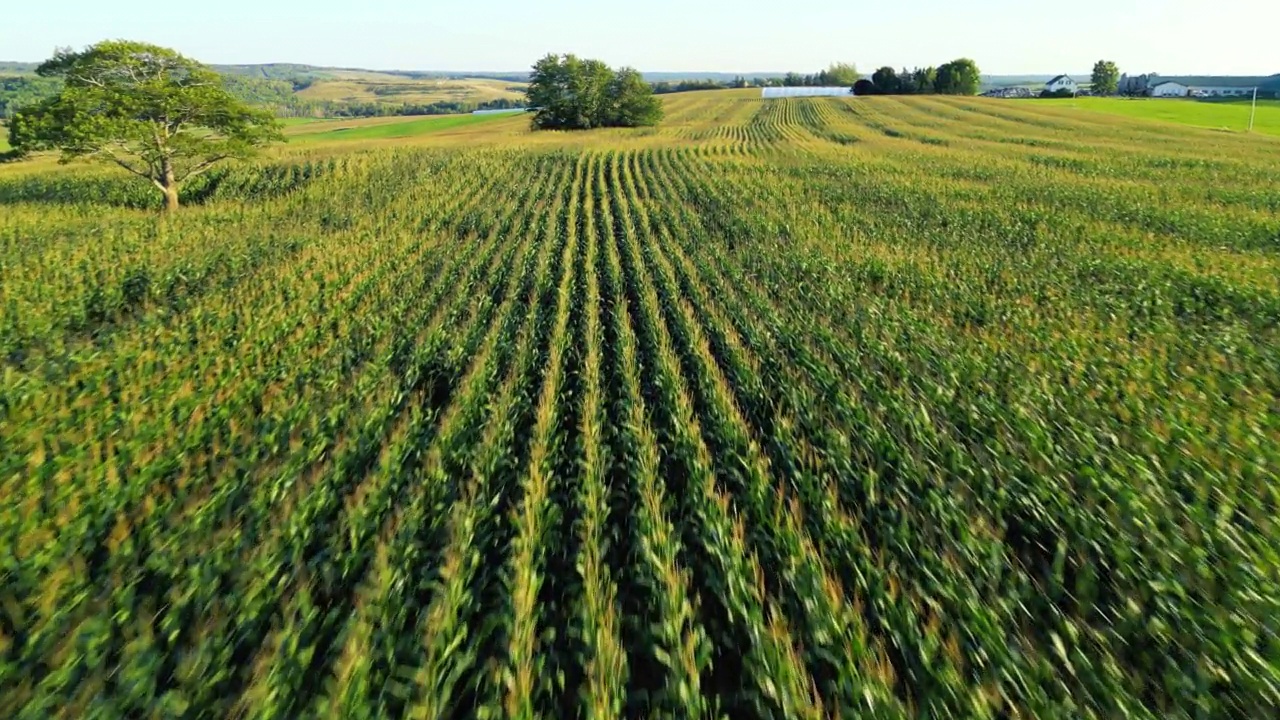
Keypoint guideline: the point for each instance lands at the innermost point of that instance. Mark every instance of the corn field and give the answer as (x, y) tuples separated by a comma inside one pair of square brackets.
[(809, 408)]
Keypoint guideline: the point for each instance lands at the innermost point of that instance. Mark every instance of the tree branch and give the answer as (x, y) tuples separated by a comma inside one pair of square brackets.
[(116, 159), (202, 167)]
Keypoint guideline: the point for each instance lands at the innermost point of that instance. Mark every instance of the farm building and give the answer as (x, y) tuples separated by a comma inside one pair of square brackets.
[(1219, 91), (786, 92), (1199, 86), (1136, 84), (1061, 83), (1168, 89)]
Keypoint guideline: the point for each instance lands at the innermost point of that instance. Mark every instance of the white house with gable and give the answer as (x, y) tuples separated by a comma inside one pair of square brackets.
[(1169, 89), (1062, 82)]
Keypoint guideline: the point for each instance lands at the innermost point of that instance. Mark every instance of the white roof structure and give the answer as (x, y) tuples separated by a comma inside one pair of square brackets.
[(786, 92)]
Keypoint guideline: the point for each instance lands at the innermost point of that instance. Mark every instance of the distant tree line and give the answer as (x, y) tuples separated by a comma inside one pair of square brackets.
[(441, 107), (668, 87), (570, 93), (958, 77), (836, 75)]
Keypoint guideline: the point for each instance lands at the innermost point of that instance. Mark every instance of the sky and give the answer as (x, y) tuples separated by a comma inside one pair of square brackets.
[(1171, 37)]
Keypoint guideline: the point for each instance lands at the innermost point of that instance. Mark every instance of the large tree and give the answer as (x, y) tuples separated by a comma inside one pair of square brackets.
[(570, 93), (549, 92), (886, 81), (632, 102), (1106, 78), (159, 115), (958, 77)]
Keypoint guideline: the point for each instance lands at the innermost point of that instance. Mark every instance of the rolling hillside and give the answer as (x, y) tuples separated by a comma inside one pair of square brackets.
[(293, 90), (375, 87)]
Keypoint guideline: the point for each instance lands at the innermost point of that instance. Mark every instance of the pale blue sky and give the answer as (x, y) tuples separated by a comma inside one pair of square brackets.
[(1004, 36)]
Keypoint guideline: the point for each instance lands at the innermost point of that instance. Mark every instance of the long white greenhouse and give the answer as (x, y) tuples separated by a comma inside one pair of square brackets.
[(786, 92)]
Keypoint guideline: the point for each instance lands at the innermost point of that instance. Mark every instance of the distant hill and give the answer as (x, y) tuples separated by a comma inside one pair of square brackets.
[(292, 71), (301, 76), (276, 71), (296, 89), (18, 68)]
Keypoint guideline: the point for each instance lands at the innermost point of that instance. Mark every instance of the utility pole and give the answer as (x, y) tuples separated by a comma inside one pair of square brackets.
[(1253, 111)]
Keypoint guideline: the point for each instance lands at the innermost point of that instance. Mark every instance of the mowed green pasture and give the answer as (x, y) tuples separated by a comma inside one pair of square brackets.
[(1232, 115), (889, 407), (384, 128)]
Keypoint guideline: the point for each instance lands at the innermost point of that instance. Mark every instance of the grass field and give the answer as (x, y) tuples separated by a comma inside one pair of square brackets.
[(1229, 115), (384, 128), (887, 407), (291, 122)]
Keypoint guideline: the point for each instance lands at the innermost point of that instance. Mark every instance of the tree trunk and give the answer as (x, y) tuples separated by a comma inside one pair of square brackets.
[(170, 198), (169, 186)]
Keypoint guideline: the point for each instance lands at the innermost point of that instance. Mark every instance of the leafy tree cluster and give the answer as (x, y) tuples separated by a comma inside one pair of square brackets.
[(570, 93), (154, 113), (958, 77), (18, 91)]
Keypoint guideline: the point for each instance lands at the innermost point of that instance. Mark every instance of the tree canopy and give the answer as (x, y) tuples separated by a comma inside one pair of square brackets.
[(958, 77), (147, 109), (886, 82), (845, 74), (924, 80), (570, 93), (1106, 78)]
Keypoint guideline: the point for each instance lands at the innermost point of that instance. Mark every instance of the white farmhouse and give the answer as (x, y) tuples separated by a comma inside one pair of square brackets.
[(1062, 82), (1169, 89)]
